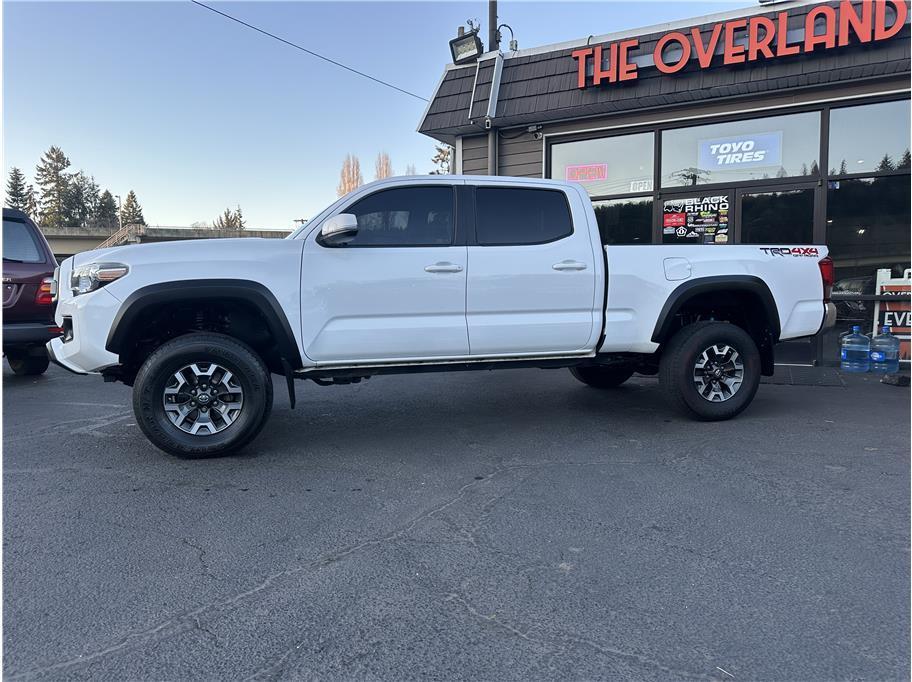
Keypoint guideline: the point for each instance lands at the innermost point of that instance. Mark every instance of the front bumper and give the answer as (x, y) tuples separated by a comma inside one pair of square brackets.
[(88, 319), (29, 333)]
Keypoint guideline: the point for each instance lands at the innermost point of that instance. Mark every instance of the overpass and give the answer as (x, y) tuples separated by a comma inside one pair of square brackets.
[(66, 241)]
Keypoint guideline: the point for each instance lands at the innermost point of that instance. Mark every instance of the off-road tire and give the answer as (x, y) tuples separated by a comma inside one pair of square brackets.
[(246, 366), (679, 360), (605, 376), (28, 362)]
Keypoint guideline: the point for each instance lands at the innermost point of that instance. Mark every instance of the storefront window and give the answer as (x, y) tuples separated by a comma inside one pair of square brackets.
[(624, 221), (868, 226), (606, 166), (753, 149), (785, 217), (868, 236), (872, 137)]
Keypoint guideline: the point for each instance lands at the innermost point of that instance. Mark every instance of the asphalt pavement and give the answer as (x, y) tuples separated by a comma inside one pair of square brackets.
[(508, 525)]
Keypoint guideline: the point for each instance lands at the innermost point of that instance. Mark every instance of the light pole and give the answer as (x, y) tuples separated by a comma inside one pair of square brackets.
[(119, 216)]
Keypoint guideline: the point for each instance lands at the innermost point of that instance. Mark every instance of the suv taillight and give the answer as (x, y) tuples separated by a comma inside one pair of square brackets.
[(45, 295), (828, 275)]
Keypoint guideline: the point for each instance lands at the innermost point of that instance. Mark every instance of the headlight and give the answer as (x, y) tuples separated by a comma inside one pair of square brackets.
[(93, 276)]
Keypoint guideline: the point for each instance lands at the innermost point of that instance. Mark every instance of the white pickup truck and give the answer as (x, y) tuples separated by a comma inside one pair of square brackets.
[(435, 273)]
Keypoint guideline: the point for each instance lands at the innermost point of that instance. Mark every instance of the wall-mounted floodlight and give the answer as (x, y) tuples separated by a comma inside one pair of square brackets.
[(466, 48)]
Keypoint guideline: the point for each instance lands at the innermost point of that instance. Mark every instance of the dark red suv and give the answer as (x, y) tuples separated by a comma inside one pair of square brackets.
[(28, 299)]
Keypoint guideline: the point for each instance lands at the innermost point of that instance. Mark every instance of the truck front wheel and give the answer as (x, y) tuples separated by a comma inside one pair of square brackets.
[(605, 376), (202, 395), (710, 370)]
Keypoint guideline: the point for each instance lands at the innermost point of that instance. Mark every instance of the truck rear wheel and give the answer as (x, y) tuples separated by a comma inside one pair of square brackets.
[(710, 370), (606, 376), (202, 395)]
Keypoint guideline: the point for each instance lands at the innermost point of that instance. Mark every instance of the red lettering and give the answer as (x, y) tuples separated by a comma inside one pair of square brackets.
[(733, 54), (861, 26), (599, 74), (828, 37), (679, 38), (757, 44), (581, 56), (881, 32), (705, 52), (782, 48), (626, 71)]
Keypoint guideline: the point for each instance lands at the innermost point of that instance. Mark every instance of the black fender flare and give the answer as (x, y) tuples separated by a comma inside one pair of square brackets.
[(702, 285), (239, 289)]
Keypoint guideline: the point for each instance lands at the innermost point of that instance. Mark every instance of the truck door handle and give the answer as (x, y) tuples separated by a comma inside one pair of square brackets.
[(569, 265), (443, 266)]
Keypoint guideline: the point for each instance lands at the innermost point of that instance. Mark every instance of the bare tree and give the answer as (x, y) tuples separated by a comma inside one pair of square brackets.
[(383, 168), (410, 169), (351, 177), (443, 153)]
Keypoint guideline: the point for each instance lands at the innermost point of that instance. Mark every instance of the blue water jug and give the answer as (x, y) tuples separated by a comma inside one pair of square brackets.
[(885, 353), (856, 348)]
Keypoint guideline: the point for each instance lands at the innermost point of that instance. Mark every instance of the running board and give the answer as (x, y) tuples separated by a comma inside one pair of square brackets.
[(543, 362)]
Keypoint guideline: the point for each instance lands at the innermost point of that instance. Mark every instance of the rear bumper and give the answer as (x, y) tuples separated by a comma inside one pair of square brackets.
[(29, 333), (829, 316)]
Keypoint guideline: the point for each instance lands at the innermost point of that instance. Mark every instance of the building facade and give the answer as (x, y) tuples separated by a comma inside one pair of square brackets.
[(785, 123)]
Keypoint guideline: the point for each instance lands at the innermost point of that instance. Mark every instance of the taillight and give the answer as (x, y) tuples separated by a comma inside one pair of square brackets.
[(828, 275), (45, 295)]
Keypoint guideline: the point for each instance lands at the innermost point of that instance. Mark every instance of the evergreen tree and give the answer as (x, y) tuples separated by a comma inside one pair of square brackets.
[(815, 169), (16, 191), (131, 212), (442, 155), (843, 169), (905, 161), (81, 200), (53, 182), (31, 203), (105, 216), (886, 164), (230, 220)]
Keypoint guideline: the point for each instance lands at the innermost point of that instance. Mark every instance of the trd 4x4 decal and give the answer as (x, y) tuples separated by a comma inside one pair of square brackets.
[(808, 251)]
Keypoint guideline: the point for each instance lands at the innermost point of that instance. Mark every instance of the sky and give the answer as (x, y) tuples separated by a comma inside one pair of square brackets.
[(196, 113)]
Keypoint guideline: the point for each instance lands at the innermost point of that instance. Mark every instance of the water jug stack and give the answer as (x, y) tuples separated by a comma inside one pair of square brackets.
[(856, 348), (885, 353)]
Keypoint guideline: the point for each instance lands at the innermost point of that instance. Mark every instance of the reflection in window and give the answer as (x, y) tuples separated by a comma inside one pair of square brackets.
[(868, 228), (778, 217), (610, 165), (754, 149), (872, 137), (624, 221), (19, 244)]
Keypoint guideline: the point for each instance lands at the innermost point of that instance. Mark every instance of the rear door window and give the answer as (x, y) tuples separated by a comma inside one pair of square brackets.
[(517, 216), (19, 244)]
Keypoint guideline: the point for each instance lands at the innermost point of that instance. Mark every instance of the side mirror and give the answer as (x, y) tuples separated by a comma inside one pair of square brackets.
[(339, 230)]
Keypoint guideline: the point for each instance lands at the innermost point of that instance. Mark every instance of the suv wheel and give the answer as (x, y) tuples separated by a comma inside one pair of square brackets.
[(202, 395), (710, 370), (28, 362), (606, 376)]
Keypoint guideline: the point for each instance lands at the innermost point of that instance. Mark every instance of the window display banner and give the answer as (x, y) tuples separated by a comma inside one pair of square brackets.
[(741, 151), (897, 315), (700, 220)]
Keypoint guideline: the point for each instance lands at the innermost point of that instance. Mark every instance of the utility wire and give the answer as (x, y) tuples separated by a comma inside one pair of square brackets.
[(310, 52)]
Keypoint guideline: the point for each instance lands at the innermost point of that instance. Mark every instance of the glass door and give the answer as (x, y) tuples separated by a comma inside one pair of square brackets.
[(695, 218), (776, 215)]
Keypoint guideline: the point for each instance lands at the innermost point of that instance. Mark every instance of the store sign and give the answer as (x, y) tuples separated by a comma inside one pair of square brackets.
[(745, 40), (741, 151), (587, 172), (701, 220)]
